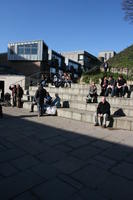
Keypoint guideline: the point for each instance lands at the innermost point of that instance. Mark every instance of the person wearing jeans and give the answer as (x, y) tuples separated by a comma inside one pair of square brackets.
[(103, 113)]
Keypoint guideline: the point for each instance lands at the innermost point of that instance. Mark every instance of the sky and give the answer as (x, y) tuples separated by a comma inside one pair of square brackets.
[(66, 25)]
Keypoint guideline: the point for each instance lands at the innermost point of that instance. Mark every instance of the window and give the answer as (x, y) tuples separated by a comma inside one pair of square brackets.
[(12, 50), (20, 49), (28, 49), (80, 57), (110, 55)]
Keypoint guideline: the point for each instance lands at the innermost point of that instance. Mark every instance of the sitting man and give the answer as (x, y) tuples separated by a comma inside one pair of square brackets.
[(121, 87), (103, 113), (92, 96), (111, 86), (56, 101)]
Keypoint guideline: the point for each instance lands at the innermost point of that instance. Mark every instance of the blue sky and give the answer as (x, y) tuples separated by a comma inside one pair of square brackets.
[(66, 25)]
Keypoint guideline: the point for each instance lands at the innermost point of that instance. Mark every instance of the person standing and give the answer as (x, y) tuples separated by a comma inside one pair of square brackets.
[(39, 96), (19, 96), (103, 113), (14, 94)]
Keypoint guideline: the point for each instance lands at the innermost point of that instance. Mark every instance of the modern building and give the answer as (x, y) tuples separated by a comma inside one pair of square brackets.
[(87, 60), (106, 55), (73, 67), (56, 62), (26, 57)]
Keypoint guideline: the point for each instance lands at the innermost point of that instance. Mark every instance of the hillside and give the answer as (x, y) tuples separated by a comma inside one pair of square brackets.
[(123, 59)]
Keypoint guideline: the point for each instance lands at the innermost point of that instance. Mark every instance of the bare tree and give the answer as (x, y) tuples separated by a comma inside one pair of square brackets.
[(127, 6)]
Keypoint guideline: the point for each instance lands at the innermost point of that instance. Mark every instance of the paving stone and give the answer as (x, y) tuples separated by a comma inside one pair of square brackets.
[(18, 184), (54, 189), (117, 188), (52, 156), (69, 165), (63, 148), (32, 147), (102, 162), (88, 194), (25, 162), (7, 169), (55, 140), (85, 152), (26, 196), (117, 152), (91, 176), (80, 142), (124, 169), (129, 158), (45, 170), (102, 144), (11, 154), (71, 181), (6, 144)]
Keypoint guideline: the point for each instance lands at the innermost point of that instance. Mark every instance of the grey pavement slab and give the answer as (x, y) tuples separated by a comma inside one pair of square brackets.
[(69, 165), (91, 176), (18, 184), (78, 161), (25, 162), (46, 171), (55, 189), (124, 170), (7, 169), (116, 188)]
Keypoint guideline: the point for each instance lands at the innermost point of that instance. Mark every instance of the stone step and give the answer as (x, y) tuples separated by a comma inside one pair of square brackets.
[(81, 97), (125, 123), (128, 110)]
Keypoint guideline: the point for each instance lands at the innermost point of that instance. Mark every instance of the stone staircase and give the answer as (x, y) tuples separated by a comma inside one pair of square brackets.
[(79, 110)]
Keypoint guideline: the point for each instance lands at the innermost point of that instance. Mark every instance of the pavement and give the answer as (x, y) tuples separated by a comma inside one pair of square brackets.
[(53, 158)]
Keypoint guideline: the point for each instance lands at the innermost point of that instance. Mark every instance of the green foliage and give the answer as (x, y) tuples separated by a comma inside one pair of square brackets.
[(87, 78), (123, 59)]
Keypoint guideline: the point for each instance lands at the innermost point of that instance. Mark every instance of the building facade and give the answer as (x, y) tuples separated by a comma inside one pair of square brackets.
[(106, 55), (56, 62), (86, 60), (28, 57)]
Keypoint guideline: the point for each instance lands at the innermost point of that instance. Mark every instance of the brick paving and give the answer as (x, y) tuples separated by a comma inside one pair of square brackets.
[(52, 158)]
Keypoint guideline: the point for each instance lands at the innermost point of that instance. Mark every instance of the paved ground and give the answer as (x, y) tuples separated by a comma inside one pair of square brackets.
[(51, 158)]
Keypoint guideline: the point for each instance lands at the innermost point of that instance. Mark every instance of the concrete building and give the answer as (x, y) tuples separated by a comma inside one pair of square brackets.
[(26, 57), (73, 67), (106, 55), (86, 60), (56, 62)]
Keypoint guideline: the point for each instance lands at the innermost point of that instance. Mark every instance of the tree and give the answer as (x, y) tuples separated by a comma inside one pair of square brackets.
[(127, 6)]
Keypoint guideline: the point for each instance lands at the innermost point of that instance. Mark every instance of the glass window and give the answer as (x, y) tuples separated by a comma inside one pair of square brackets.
[(34, 48), (20, 49), (27, 49)]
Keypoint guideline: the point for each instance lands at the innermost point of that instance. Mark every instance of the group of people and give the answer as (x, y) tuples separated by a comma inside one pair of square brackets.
[(17, 94), (61, 80), (114, 87), (110, 86), (44, 101)]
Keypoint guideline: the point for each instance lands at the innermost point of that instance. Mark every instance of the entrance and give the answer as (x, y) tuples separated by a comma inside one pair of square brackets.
[(2, 90)]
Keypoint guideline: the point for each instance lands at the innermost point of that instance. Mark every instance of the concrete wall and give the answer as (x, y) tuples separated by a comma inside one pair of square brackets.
[(12, 79)]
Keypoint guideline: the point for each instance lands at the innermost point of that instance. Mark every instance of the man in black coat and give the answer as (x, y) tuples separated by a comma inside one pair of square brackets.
[(103, 113), (39, 96)]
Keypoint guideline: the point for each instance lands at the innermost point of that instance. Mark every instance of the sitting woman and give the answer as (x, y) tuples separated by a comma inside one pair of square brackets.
[(92, 96)]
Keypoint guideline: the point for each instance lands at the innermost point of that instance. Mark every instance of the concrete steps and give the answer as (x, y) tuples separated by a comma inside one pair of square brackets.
[(79, 110), (125, 123)]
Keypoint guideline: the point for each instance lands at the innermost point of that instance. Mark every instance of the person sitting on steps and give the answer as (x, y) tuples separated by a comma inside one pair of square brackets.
[(103, 113)]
